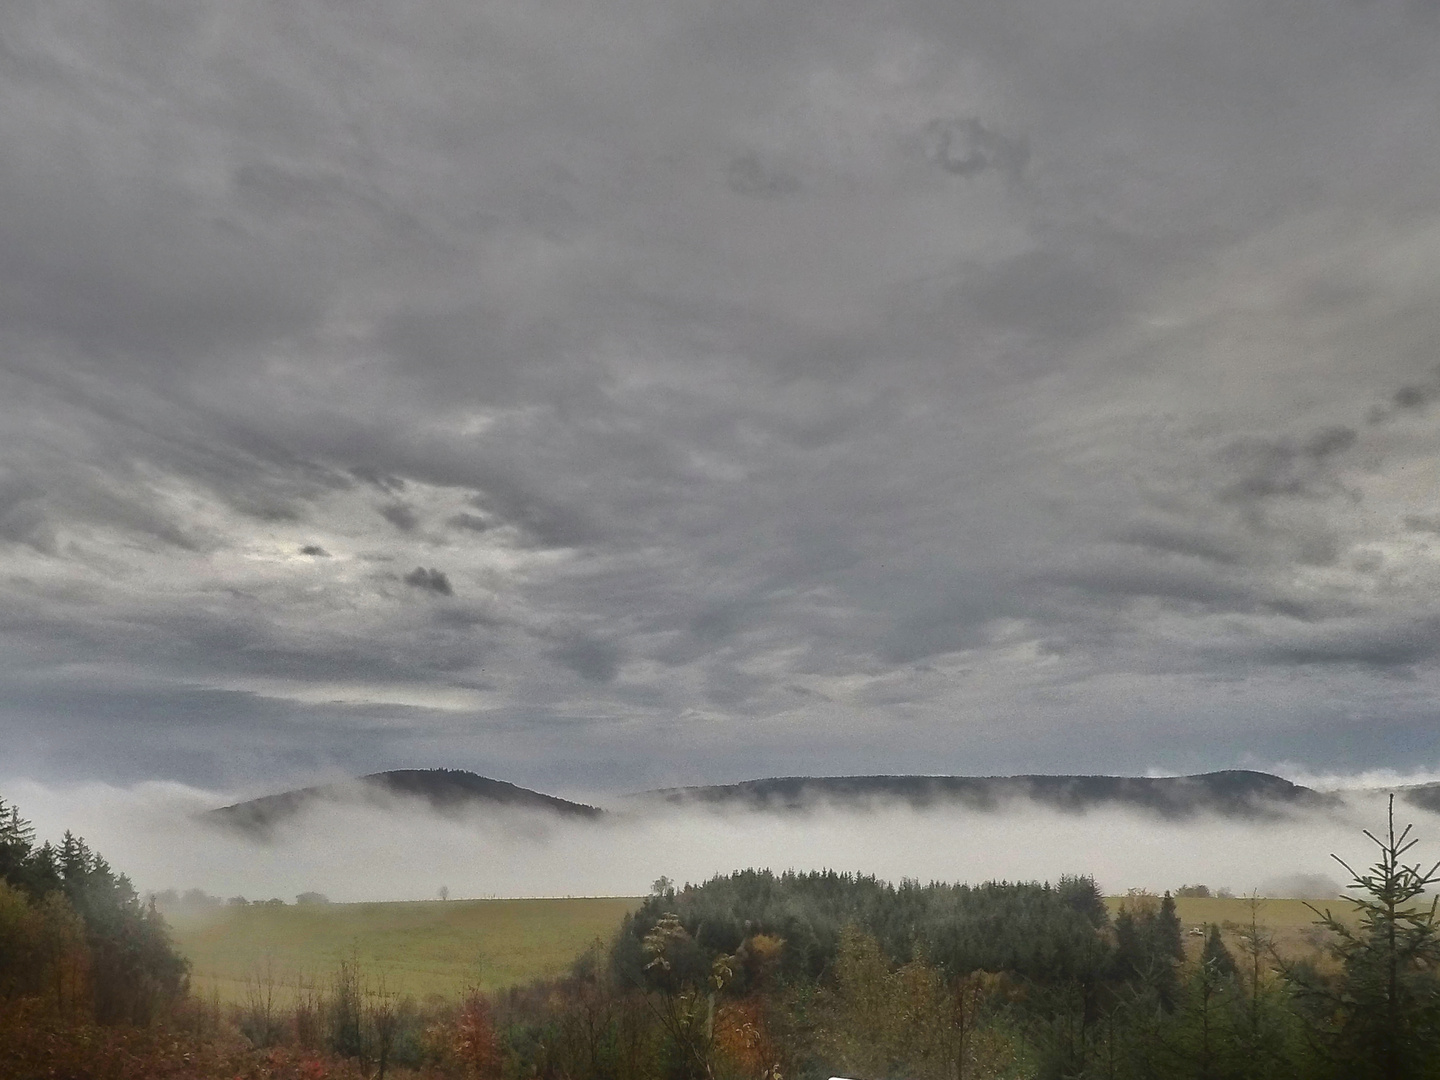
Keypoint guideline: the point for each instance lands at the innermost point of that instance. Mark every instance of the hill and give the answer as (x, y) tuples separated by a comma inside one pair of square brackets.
[(1233, 793), (1425, 796), (451, 792)]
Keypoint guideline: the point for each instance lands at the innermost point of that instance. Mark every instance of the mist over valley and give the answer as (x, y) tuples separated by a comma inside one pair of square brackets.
[(404, 835)]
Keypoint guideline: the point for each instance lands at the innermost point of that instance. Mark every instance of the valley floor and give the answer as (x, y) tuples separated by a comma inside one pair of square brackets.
[(443, 948), (417, 948)]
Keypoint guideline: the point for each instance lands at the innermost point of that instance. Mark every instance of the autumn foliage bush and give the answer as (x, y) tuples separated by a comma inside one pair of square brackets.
[(468, 1044)]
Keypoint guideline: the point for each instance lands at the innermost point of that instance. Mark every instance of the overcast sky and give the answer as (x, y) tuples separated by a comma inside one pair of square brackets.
[(604, 395)]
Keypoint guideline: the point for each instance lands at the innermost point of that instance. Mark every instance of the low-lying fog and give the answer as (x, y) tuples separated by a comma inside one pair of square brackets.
[(405, 852)]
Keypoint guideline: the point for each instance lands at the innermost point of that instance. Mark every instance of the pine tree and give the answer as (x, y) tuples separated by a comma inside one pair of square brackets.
[(1206, 1018), (17, 840), (30, 869), (1169, 934), (1383, 1015), (1149, 946), (1216, 956)]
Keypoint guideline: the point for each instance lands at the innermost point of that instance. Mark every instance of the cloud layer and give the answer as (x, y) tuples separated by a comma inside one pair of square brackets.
[(607, 396)]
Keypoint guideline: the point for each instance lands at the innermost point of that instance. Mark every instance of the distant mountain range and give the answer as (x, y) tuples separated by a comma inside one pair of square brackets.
[(1425, 796), (451, 792), (1232, 793)]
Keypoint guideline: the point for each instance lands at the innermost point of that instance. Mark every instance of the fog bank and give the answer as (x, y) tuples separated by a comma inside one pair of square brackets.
[(151, 831)]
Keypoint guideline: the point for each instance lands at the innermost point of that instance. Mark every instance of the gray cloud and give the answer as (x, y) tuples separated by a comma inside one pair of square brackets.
[(1272, 468), (1330, 440), (965, 146), (543, 522), (431, 580), (1422, 523), (469, 522), (748, 176), (590, 658), (1410, 398), (22, 516), (402, 516), (1048, 293), (1183, 584), (823, 390), (1363, 644), (1177, 540), (379, 479)]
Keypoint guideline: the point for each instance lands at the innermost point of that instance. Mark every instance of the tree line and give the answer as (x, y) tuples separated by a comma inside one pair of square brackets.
[(75, 934)]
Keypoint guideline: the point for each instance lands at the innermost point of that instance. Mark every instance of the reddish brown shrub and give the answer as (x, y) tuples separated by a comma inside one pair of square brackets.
[(475, 1045)]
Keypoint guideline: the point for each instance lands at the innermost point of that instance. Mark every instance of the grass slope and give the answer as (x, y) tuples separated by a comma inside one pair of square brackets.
[(1291, 922), (423, 948)]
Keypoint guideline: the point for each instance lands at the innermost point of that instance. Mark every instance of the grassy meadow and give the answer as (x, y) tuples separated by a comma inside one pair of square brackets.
[(1290, 922), (420, 948), (441, 947)]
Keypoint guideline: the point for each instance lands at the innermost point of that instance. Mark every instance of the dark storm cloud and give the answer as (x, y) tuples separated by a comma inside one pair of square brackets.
[(379, 479), (590, 658), (431, 580), (542, 521), (1410, 398), (809, 388), (1183, 584), (469, 522), (1272, 468), (1419, 523), (1330, 440), (1173, 539), (1413, 397), (400, 515), (1362, 649), (965, 146)]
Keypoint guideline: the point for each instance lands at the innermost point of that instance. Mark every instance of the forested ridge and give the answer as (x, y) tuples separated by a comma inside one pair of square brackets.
[(756, 975)]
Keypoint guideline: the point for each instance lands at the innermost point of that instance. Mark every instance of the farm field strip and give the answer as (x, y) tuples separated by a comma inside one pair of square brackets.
[(420, 948)]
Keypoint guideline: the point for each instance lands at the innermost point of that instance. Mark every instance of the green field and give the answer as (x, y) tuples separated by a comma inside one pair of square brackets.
[(423, 948), (1291, 922), (436, 947)]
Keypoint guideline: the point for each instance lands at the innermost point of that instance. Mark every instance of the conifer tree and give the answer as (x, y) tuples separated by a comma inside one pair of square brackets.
[(1148, 949), (1383, 1015), (1216, 956), (1169, 934), (17, 839)]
